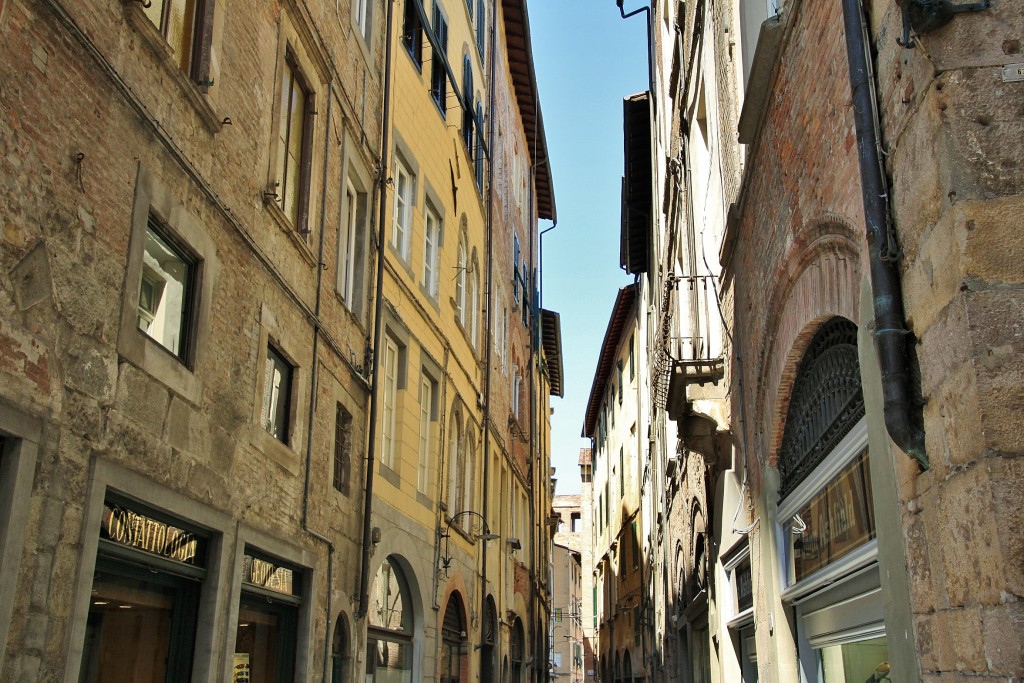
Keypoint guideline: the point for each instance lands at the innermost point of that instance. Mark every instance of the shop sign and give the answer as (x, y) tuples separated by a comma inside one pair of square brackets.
[(134, 530), (268, 575), (240, 670), (839, 519)]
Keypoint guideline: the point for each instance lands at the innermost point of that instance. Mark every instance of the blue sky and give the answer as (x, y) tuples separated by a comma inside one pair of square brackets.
[(587, 60)]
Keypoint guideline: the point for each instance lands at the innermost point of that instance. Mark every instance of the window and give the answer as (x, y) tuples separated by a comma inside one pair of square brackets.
[(389, 633), (431, 243), (479, 160), (474, 305), (401, 226), (753, 13), (412, 31), (363, 15), (185, 24), (428, 414), (277, 400), (294, 145), (468, 472), (622, 471), (146, 589), (389, 368), (618, 369), (166, 292), (515, 268), (632, 357), (504, 339), (439, 59), (352, 232), (453, 642), (342, 449), (268, 615), (467, 104), (481, 25), (455, 465), (460, 282), (516, 382)]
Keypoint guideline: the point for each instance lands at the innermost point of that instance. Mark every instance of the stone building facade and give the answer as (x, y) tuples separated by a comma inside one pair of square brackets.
[(848, 446), (201, 241)]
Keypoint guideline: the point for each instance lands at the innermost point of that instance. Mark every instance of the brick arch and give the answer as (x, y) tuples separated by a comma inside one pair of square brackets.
[(819, 279)]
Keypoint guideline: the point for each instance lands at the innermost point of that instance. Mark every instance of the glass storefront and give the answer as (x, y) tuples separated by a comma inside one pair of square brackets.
[(389, 636), (141, 626), (267, 621), (862, 661)]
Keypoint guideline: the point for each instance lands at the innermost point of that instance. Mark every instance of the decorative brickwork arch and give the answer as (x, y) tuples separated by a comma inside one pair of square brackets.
[(820, 279)]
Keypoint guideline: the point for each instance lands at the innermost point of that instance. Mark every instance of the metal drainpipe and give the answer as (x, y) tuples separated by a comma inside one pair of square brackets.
[(650, 46), (313, 384), (890, 325), (364, 583)]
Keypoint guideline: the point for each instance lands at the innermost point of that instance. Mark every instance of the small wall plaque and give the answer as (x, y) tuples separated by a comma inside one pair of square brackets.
[(1013, 72)]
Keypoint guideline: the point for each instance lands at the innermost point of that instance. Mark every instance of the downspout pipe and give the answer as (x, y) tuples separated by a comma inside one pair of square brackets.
[(378, 326), (650, 45), (891, 334)]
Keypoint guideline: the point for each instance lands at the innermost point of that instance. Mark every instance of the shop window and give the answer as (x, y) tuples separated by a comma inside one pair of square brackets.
[(453, 639), (439, 59), (146, 590), (185, 25), (265, 639), (389, 632), (167, 291), (277, 395), (342, 450)]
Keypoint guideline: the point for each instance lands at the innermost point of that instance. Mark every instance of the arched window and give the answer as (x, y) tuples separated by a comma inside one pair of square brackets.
[(827, 401), (455, 465), (390, 631), (474, 304), (488, 639), (453, 637), (460, 280), (468, 470), (341, 660), (517, 651)]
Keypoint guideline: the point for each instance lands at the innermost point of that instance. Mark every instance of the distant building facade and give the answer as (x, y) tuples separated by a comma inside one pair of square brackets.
[(835, 333)]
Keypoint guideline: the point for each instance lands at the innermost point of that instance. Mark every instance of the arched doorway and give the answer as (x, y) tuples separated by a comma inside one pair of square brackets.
[(518, 651), (390, 631), (627, 668), (341, 655), (488, 640), (453, 640)]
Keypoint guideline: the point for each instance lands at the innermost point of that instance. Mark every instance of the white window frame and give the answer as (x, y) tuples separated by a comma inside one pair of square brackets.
[(849, 448), (427, 412), (431, 248), (474, 303), (362, 15), (389, 368), (460, 281), (349, 229), (405, 196)]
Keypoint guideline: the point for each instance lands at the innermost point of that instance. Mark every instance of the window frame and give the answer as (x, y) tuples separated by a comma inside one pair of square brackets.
[(354, 264), (429, 411), (439, 59), (389, 401), (433, 229), (180, 249), (462, 266), (402, 208), (184, 376), (342, 462), (275, 358), (412, 32), (299, 82)]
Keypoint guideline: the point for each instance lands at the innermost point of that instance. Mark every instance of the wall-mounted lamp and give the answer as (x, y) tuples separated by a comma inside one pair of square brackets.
[(446, 556)]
